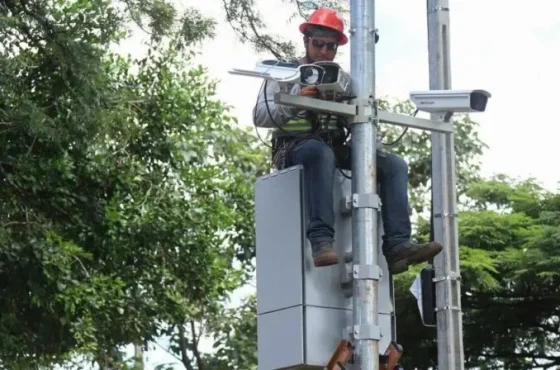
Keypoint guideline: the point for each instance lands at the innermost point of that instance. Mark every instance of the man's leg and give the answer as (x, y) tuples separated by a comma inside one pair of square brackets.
[(318, 161), (397, 247)]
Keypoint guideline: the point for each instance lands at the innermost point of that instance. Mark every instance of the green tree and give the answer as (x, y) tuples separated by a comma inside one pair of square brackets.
[(509, 246), (126, 186)]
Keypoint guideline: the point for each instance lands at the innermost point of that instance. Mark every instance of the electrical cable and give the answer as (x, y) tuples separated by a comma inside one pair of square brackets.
[(404, 132), (301, 138), (255, 121)]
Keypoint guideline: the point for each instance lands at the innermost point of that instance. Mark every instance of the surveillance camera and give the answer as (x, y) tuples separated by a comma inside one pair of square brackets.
[(453, 101), (274, 70), (329, 77)]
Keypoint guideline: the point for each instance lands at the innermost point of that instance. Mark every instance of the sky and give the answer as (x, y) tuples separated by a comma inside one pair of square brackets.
[(506, 47)]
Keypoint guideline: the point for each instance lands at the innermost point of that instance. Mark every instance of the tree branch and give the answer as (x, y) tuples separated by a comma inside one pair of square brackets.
[(168, 351), (183, 348), (195, 350), (259, 40)]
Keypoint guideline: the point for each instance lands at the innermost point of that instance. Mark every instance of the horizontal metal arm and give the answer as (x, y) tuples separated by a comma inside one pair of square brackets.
[(318, 105), (414, 122), (350, 110)]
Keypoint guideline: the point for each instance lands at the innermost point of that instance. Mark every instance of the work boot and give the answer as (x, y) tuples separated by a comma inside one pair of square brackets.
[(324, 254), (409, 253)]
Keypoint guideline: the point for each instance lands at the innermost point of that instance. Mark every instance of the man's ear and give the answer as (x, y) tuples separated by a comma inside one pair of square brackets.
[(305, 40)]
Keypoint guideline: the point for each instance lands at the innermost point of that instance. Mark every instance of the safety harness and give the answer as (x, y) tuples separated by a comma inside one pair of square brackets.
[(331, 129)]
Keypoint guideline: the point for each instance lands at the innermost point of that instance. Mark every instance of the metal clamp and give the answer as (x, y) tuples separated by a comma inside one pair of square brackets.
[(448, 308), (364, 111), (446, 214), (367, 332), (346, 205), (346, 276), (366, 272), (451, 277), (436, 9), (369, 200)]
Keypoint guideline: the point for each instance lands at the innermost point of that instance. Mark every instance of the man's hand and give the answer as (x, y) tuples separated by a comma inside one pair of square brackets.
[(309, 91)]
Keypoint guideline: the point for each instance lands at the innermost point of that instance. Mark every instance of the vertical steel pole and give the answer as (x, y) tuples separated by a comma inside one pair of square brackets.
[(364, 186), (448, 289)]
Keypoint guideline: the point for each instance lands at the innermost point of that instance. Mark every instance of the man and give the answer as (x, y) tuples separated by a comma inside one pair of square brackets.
[(301, 137)]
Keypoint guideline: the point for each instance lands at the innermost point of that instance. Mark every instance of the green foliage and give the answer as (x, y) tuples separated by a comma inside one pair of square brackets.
[(510, 278), (126, 187), (161, 20), (235, 349), (127, 202)]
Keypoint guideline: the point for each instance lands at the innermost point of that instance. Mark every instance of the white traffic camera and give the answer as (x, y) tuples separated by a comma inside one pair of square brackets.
[(329, 77), (274, 70), (454, 101)]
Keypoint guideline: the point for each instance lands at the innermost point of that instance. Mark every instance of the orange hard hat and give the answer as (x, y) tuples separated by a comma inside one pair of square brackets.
[(329, 18)]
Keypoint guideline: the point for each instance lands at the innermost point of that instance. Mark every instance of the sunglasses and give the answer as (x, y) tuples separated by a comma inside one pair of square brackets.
[(318, 44)]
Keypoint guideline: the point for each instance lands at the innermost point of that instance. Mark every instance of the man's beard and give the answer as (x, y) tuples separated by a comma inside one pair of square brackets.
[(311, 61)]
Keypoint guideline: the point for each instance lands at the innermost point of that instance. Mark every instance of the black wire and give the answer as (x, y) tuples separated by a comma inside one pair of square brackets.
[(255, 122), (264, 86), (404, 132), (270, 114)]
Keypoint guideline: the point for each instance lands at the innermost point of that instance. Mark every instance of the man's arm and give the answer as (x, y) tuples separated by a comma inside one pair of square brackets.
[(279, 114)]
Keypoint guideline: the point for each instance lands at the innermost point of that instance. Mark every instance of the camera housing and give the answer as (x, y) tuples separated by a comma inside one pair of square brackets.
[(455, 101), (282, 72), (329, 77)]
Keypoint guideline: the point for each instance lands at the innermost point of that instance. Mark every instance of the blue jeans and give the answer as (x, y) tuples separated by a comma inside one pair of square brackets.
[(319, 162)]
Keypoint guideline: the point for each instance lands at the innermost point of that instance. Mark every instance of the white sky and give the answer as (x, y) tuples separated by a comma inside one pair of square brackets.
[(507, 47)]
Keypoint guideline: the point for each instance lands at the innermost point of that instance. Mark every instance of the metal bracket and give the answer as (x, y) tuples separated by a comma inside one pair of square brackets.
[(448, 308), (438, 9), (446, 214), (369, 200), (415, 122), (346, 276), (346, 205), (451, 277), (366, 272), (364, 111), (317, 105), (367, 332)]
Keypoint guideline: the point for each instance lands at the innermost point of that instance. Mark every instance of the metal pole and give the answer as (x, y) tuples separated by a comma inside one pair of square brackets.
[(448, 289), (364, 218)]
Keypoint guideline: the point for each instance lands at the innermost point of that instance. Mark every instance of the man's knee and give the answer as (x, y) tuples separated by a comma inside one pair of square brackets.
[(314, 151)]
